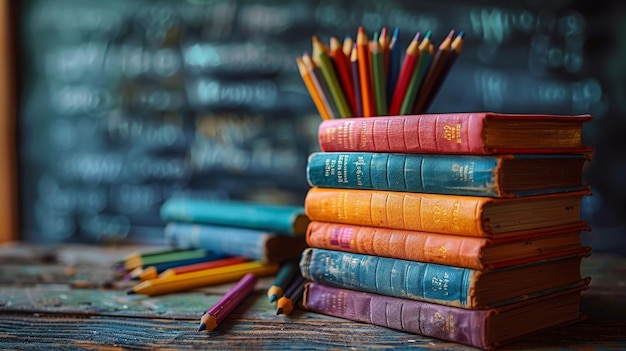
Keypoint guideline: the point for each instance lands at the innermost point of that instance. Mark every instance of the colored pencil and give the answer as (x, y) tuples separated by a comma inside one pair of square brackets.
[(288, 301), (356, 79), (153, 271), (320, 86), (421, 67), (378, 76), (347, 45), (383, 44), (207, 277), (395, 62), (425, 56), (145, 261), (216, 314), (283, 278), (138, 255), (365, 77), (406, 72), (313, 91), (435, 69), (322, 59), (342, 67), (202, 266), (456, 47)]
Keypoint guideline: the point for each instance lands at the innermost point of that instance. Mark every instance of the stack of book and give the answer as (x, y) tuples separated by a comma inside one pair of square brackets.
[(268, 233), (221, 241), (464, 227)]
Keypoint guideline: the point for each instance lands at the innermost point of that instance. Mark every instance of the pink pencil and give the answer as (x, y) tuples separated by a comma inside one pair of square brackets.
[(216, 314)]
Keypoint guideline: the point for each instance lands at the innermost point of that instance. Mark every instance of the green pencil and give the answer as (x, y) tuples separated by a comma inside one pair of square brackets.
[(283, 278), (321, 59), (419, 72), (164, 257), (378, 72)]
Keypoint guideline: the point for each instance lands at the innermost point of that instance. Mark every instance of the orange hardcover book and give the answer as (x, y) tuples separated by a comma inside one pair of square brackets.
[(453, 250), (447, 214)]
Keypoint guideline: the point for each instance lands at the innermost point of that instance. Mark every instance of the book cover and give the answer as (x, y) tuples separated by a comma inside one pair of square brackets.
[(436, 283), (453, 250), (233, 241), (447, 214), (278, 219), (494, 176), (485, 329), (456, 133)]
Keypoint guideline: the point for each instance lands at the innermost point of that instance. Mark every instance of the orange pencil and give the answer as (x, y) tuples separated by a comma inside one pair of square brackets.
[(365, 74), (342, 66), (430, 80), (404, 78), (313, 91)]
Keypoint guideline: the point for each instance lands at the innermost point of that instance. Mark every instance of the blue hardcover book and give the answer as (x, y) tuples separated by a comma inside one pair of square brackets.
[(233, 241), (493, 176), (436, 283), (278, 219)]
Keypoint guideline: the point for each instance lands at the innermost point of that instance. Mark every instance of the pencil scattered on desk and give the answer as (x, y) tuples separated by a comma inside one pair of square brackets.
[(287, 302), (284, 277), (216, 314), (208, 277), (374, 78)]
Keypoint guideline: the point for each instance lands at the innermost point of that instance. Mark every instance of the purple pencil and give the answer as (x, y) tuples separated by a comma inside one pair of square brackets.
[(356, 81), (216, 314)]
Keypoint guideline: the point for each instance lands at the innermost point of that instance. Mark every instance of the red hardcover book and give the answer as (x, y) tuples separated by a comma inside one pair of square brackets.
[(456, 133)]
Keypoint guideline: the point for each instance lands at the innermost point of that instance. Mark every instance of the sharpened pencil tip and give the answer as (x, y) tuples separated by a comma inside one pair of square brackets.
[(202, 327), (279, 311), (461, 34), (272, 298), (130, 292), (428, 34), (396, 32)]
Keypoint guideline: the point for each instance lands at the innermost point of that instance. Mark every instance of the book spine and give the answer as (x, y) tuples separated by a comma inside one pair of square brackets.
[(447, 214), (229, 241), (446, 285), (443, 322), (460, 133), (453, 250), (438, 174), (289, 221)]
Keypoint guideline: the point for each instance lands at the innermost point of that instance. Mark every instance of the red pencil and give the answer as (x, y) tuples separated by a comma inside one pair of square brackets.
[(404, 78), (342, 66)]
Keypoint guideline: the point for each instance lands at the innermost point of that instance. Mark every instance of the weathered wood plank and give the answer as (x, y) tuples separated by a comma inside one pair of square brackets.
[(42, 307)]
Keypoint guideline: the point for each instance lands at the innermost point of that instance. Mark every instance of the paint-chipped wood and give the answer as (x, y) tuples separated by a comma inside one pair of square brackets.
[(42, 307)]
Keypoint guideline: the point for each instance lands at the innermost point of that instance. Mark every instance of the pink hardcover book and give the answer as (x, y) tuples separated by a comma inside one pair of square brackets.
[(456, 133)]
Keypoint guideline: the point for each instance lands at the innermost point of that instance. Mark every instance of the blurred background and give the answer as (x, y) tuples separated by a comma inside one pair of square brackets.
[(123, 104)]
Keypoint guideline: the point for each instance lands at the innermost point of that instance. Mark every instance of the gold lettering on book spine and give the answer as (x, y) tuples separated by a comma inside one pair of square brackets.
[(364, 136), (452, 133)]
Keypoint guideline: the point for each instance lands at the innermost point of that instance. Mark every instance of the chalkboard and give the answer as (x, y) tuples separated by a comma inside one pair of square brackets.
[(126, 103)]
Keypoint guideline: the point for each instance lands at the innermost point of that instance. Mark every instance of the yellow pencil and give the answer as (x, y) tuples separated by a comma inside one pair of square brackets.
[(208, 277)]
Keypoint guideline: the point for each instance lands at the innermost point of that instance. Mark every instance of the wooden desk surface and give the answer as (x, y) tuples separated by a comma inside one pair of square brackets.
[(66, 298)]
